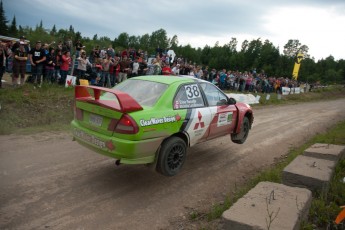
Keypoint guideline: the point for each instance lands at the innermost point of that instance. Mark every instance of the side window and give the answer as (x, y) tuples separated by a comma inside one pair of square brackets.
[(188, 96), (213, 95)]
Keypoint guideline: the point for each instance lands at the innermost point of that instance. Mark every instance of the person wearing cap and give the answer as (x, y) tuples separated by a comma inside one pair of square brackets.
[(19, 64), (21, 41), (37, 59)]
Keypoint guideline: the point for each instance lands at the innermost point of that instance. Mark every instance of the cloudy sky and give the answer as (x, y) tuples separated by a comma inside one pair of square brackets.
[(319, 24)]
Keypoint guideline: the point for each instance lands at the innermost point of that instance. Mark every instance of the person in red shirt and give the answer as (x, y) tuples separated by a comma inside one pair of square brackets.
[(166, 70), (64, 67)]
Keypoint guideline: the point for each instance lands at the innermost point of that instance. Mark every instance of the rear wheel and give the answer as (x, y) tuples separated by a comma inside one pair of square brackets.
[(172, 156), (241, 137)]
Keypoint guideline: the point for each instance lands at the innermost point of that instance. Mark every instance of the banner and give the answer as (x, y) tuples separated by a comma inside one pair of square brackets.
[(297, 65)]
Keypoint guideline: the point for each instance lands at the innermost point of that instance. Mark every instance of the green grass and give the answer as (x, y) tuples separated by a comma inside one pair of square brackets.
[(324, 207), (28, 109)]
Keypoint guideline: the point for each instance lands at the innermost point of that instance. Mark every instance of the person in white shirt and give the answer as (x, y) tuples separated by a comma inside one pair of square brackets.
[(135, 67)]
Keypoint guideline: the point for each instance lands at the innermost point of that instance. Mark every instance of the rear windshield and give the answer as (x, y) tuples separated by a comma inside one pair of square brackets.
[(146, 93)]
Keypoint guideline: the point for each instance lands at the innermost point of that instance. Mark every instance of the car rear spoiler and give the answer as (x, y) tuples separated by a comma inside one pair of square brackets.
[(125, 103)]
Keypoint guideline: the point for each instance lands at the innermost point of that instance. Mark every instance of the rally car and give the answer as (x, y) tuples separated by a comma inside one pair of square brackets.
[(154, 119)]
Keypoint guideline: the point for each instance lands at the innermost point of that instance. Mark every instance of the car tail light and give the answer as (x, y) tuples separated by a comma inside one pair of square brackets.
[(126, 125)]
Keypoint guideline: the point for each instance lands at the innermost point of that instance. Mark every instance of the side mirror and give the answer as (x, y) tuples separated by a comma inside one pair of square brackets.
[(231, 101)]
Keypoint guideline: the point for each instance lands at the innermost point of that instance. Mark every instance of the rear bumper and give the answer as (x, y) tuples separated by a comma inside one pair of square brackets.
[(127, 151)]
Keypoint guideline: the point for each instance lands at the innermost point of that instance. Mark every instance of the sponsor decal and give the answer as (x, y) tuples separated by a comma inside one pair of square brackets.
[(161, 120), (200, 123), (186, 104), (224, 119), (192, 91), (89, 138)]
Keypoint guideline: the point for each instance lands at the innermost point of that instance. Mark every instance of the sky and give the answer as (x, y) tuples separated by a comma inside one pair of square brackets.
[(318, 24)]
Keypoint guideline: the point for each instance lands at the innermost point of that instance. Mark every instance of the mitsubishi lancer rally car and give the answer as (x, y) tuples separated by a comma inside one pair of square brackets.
[(154, 119)]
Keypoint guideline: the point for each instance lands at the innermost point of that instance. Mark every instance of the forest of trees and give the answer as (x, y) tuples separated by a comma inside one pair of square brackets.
[(255, 54)]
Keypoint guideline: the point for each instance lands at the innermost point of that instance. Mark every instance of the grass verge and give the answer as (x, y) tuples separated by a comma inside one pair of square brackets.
[(28, 109), (325, 207)]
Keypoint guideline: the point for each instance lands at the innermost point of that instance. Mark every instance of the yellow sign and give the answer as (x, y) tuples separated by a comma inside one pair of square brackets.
[(297, 65)]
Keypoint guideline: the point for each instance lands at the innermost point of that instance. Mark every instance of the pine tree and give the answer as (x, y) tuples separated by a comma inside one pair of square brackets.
[(13, 31), (3, 21), (53, 31)]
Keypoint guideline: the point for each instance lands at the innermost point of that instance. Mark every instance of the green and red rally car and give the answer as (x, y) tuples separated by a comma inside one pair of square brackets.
[(153, 119)]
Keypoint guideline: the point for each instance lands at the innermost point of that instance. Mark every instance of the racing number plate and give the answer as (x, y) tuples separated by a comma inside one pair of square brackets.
[(96, 120)]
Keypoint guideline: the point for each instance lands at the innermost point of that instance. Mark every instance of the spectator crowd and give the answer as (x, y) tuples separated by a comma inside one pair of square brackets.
[(51, 63)]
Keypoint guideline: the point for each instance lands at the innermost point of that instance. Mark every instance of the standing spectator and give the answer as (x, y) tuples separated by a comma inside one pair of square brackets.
[(96, 55), (2, 64), (205, 74), (58, 60), (111, 51), (103, 52), (135, 67), (37, 59), (83, 62), (69, 44), (106, 64), (59, 46), (21, 41), (142, 67), (124, 68), (78, 47), (157, 67), (50, 65), (65, 63), (176, 69), (19, 64), (114, 71), (166, 70), (124, 53)]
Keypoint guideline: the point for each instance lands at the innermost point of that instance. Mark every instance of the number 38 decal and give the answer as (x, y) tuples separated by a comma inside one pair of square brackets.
[(192, 91)]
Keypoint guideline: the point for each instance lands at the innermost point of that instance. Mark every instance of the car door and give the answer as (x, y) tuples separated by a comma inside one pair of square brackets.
[(223, 115), (198, 115)]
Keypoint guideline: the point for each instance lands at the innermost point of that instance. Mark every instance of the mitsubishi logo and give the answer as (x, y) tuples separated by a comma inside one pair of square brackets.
[(201, 123)]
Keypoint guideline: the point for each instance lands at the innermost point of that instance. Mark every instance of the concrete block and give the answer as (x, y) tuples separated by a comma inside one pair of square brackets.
[(286, 205), (326, 151), (309, 172)]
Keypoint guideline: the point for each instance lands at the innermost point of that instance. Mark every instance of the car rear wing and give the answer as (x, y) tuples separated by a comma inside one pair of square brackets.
[(124, 103)]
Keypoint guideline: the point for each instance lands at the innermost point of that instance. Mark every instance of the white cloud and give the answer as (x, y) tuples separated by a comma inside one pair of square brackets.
[(318, 28)]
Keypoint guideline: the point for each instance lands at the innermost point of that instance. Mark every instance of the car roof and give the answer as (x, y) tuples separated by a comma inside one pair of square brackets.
[(166, 79)]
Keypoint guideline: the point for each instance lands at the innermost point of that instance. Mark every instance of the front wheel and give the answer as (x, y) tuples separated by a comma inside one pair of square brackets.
[(172, 156), (241, 137)]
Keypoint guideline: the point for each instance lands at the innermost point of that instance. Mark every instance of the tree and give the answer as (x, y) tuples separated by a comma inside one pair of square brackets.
[(269, 56), (293, 47), (159, 39), (133, 41), (53, 31), (13, 31), (233, 45), (144, 42), (173, 42), (122, 41), (3, 21)]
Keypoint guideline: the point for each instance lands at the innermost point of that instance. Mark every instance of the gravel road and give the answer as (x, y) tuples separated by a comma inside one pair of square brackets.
[(48, 181)]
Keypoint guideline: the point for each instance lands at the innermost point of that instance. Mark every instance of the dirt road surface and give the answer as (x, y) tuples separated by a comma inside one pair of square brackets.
[(50, 182)]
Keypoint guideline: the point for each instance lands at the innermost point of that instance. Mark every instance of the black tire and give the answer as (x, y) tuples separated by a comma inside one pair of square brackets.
[(172, 156), (241, 137)]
